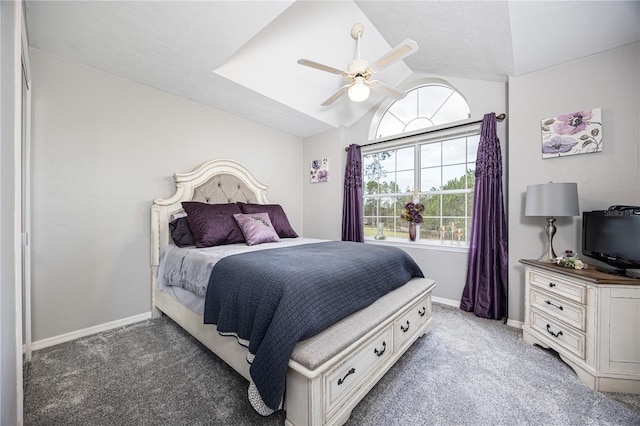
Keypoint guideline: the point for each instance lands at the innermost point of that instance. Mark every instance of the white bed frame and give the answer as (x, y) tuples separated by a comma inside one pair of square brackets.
[(325, 394)]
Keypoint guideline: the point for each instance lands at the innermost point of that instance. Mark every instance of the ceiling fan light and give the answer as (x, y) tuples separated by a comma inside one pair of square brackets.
[(359, 91)]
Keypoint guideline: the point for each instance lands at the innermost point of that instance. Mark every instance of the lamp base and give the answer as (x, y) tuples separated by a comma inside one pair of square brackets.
[(550, 231)]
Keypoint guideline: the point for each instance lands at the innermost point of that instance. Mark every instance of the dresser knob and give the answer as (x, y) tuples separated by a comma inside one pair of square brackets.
[(422, 311), (552, 285), (384, 348), (403, 328)]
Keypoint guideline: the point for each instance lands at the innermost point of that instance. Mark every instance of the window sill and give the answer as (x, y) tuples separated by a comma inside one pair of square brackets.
[(400, 242)]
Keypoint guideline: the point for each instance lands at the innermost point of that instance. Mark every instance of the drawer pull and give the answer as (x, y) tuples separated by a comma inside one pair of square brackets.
[(384, 348), (558, 334), (422, 311), (402, 327), (552, 285), (548, 302), (341, 381)]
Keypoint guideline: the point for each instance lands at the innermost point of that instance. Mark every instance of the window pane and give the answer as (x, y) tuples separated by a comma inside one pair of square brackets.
[(389, 125), (431, 98), (405, 181), (472, 147), (406, 109), (405, 158), (418, 124), (429, 229), (431, 205), (454, 109), (430, 154), (454, 151), (431, 179), (388, 162), (454, 177), (453, 205)]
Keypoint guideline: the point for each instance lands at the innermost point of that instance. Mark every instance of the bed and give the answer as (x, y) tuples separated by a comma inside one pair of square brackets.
[(326, 374)]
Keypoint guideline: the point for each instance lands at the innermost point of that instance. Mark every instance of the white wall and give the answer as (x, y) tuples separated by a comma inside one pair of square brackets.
[(10, 321), (447, 268), (103, 149), (323, 200), (611, 81)]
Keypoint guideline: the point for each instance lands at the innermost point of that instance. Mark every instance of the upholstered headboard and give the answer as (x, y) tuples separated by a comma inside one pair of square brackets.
[(215, 182)]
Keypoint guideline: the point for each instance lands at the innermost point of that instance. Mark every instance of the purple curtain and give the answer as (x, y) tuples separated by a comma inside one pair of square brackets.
[(352, 207), (485, 292)]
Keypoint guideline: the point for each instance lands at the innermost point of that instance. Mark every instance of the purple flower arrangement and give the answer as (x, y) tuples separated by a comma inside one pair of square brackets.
[(412, 212)]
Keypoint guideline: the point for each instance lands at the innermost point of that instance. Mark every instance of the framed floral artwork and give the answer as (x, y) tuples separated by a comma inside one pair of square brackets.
[(574, 133), (319, 170)]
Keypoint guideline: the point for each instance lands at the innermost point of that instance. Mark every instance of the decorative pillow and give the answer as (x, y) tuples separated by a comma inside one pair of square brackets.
[(256, 228), (213, 224), (276, 214), (181, 233)]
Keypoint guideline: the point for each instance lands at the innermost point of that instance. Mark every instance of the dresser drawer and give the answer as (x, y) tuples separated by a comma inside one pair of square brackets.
[(568, 312), (558, 286), (558, 333), (339, 382), (408, 324)]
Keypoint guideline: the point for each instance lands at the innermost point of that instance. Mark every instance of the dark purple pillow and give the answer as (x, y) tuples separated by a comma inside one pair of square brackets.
[(181, 233), (213, 224), (276, 213)]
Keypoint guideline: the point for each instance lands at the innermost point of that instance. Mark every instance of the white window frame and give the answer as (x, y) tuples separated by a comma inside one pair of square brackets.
[(432, 135)]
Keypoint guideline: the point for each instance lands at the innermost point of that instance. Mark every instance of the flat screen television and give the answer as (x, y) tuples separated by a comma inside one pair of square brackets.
[(613, 236)]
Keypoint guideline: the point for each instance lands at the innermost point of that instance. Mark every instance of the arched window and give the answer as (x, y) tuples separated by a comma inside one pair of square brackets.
[(431, 102), (435, 168)]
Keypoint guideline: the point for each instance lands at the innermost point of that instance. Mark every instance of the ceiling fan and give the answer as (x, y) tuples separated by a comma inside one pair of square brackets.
[(360, 71)]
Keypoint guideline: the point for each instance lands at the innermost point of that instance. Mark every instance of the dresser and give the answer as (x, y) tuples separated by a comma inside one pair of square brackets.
[(592, 319)]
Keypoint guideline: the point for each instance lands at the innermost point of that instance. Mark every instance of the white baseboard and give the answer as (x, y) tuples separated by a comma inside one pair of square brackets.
[(448, 302), (50, 341), (456, 304)]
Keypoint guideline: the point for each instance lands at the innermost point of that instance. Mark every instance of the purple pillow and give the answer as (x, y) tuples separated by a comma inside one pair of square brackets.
[(276, 214), (213, 224), (181, 233), (256, 228)]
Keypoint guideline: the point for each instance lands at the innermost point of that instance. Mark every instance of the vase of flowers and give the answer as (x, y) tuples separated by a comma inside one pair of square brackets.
[(412, 215)]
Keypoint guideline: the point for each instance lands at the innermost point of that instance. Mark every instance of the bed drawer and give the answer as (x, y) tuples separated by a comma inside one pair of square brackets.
[(558, 286), (348, 376), (571, 313), (558, 333), (408, 324)]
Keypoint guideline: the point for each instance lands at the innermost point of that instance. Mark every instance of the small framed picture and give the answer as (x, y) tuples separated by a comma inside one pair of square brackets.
[(573, 133), (319, 170)]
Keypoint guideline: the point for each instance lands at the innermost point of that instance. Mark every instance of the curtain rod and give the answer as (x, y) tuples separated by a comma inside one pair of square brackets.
[(499, 117)]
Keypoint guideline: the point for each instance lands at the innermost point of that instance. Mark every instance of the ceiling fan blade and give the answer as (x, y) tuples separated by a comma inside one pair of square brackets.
[(387, 90), (322, 67), (336, 95), (404, 49)]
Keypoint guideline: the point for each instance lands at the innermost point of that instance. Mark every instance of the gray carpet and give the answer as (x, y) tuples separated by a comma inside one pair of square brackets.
[(467, 371)]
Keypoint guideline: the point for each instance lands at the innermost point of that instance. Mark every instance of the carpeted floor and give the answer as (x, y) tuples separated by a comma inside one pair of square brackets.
[(467, 371)]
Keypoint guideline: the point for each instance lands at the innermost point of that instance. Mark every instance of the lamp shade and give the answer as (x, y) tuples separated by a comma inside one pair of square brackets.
[(552, 200)]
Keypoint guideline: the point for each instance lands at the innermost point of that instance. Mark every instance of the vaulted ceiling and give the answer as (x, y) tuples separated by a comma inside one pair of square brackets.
[(241, 56)]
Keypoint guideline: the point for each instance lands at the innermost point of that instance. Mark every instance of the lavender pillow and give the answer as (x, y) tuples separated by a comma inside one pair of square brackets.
[(181, 233), (276, 214), (213, 224), (256, 228)]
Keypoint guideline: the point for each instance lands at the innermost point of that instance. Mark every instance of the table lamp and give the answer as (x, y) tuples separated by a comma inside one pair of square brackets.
[(551, 200)]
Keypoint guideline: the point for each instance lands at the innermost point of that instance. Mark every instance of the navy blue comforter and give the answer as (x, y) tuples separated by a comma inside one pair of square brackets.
[(274, 298)]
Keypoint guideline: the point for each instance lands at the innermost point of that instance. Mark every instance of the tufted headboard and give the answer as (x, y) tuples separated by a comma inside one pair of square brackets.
[(215, 182)]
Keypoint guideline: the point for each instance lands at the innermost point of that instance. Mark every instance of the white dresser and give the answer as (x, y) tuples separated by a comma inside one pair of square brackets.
[(592, 319)]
